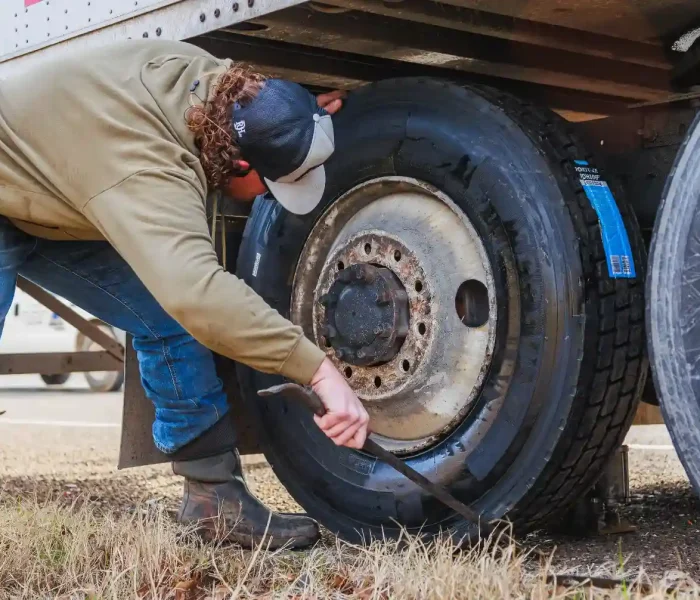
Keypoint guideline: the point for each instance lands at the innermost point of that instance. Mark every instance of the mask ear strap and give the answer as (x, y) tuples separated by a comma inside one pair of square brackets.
[(213, 220), (223, 239)]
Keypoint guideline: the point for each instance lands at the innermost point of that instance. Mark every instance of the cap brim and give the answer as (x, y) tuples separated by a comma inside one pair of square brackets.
[(302, 196)]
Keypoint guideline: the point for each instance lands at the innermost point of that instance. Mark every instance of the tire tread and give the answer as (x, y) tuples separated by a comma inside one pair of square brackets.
[(607, 394)]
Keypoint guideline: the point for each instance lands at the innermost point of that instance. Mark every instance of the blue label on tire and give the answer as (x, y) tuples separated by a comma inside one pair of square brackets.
[(616, 243)]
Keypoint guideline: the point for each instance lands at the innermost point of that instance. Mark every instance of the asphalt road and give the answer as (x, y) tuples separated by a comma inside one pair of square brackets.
[(62, 443)]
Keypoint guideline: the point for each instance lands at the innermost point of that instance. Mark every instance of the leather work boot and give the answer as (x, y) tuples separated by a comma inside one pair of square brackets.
[(218, 500)]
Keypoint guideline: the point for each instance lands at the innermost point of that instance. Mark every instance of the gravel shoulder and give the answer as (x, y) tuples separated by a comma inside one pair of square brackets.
[(664, 509)]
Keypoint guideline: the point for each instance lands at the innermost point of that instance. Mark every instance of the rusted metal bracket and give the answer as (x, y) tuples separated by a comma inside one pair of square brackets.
[(613, 488), (598, 512), (111, 346)]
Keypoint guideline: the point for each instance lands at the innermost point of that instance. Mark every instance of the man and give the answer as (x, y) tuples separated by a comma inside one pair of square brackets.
[(107, 158)]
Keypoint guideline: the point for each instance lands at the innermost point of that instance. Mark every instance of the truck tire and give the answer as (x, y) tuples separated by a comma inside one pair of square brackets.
[(673, 292), (447, 180), (56, 378), (99, 381)]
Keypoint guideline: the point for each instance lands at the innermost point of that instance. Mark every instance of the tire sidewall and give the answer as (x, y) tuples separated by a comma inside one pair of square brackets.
[(671, 291)]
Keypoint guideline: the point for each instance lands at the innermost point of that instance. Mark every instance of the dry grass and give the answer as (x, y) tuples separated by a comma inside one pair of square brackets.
[(61, 552)]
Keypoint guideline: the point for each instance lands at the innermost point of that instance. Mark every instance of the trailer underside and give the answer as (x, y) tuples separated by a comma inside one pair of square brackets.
[(583, 61)]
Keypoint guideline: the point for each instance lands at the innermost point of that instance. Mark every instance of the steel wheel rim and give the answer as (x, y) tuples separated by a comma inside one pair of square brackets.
[(421, 394)]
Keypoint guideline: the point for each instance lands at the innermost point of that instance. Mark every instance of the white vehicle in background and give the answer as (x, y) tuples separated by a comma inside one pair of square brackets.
[(31, 327)]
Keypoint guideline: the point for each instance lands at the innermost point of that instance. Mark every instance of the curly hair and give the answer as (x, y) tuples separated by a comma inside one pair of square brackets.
[(211, 122)]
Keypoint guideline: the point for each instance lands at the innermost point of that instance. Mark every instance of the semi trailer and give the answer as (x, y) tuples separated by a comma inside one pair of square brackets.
[(516, 184)]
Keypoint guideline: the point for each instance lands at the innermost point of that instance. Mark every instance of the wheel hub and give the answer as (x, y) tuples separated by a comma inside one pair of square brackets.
[(366, 315)]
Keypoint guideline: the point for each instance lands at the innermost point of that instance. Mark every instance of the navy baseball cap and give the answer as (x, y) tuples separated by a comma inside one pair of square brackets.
[(286, 137)]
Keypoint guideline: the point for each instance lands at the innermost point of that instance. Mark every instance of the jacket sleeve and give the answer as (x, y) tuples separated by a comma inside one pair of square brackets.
[(157, 222)]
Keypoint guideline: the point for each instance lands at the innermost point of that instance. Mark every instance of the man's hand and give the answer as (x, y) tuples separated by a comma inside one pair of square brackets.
[(346, 419), (332, 101)]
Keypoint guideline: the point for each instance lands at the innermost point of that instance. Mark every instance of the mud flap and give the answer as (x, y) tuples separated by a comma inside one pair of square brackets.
[(137, 448)]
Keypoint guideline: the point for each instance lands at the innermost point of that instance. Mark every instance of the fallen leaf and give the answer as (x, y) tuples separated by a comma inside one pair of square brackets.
[(366, 591), (183, 588), (221, 592), (342, 583)]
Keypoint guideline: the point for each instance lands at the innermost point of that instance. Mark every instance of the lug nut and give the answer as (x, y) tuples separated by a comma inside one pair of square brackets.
[(383, 298), (361, 353), (329, 332), (344, 353), (345, 276), (328, 300), (384, 332)]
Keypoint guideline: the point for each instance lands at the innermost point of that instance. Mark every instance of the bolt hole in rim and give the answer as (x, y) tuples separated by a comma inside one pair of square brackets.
[(424, 390), (348, 372), (472, 303)]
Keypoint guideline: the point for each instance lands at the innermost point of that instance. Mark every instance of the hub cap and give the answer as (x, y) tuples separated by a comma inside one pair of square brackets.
[(395, 284), (366, 315)]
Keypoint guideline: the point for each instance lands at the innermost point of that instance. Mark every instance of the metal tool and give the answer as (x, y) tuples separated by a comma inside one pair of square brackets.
[(311, 400)]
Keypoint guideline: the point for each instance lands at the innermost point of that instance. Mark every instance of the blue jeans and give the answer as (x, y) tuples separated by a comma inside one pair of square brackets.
[(177, 372)]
